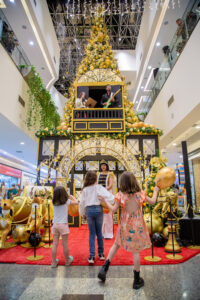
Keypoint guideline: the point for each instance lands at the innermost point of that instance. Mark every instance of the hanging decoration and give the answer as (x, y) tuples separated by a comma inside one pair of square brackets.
[(42, 111)]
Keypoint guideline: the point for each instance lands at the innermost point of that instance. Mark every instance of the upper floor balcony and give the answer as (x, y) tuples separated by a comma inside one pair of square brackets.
[(186, 25)]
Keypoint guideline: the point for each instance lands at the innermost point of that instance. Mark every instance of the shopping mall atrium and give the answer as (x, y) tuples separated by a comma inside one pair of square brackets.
[(99, 147)]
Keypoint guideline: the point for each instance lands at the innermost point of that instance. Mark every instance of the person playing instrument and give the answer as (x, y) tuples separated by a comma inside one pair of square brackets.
[(81, 100), (132, 233), (105, 98), (106, 179)]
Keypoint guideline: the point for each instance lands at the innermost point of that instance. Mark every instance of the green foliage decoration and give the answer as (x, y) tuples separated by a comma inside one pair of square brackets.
[(42, 111)]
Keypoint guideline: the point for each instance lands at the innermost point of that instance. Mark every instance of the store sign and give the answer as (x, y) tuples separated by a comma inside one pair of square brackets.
[(5, 170)]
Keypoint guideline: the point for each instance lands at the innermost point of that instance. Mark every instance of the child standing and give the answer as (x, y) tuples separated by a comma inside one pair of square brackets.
[(91, 208), (132, 233), (61, 201)]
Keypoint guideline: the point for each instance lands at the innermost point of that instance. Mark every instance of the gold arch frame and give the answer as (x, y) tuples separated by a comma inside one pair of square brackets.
[(93, 146)]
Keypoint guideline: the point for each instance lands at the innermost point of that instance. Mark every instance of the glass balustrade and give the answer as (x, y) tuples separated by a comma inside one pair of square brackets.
[(9, 41), (185, 27)]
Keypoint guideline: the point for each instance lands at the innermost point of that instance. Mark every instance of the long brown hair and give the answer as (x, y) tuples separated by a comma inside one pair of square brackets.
[(128, 183), (90, 179), (60, 196)]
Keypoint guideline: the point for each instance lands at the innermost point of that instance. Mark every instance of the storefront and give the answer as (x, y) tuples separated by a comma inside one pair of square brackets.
[(9, 175), (194, 163), (28, 179)]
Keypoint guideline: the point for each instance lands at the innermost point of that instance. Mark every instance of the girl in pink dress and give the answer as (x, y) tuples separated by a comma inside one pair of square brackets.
[(132, 233)]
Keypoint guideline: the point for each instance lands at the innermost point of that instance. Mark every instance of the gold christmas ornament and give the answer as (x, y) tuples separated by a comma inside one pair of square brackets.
[(157, 223), (21, 209), (165, 232), (73, 210), (20, 234), (165, 177), (105, 208)]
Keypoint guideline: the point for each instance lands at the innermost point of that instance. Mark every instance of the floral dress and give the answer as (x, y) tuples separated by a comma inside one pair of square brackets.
[(132, 233)]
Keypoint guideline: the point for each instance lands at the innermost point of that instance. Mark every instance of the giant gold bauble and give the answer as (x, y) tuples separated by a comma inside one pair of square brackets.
[(105, 208), (20, 234), (157, 223), (21, 209), (165, 177), (73, 210), (165, 232)]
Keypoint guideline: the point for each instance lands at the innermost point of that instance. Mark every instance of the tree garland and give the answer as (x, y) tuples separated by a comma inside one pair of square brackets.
[(82, 136)]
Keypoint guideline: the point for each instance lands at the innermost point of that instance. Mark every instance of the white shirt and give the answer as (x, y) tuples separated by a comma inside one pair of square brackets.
[(60, 213), (90, 195), (79, 103)]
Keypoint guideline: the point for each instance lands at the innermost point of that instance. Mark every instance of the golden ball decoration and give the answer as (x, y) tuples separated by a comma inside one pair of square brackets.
[(73, 210), (165, 232), (20, 235), (21, 209), (157, 223), (105, 208), (165, 177)]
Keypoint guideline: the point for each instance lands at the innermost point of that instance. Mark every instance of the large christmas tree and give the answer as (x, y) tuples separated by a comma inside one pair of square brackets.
[(99, 57)]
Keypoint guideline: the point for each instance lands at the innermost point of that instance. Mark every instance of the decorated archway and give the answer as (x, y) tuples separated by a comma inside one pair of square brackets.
[(92, 147)]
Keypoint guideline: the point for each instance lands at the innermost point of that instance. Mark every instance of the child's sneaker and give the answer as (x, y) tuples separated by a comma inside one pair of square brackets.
[(91, 259), (70, 261), (55, 265), (101, 256)]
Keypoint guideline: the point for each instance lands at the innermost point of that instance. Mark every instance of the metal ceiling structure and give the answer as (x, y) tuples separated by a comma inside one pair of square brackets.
[(72, 21)]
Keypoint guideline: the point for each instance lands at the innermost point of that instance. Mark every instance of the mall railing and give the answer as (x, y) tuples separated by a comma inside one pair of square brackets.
[(172, 52), (10, 43)]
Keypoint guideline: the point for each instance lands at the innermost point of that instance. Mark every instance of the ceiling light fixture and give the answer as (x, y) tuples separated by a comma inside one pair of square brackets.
[(157, 44), (142, 87), (12, 1), (149, 67), (174, 144), (197, 126), (22, 143), (31, 43)]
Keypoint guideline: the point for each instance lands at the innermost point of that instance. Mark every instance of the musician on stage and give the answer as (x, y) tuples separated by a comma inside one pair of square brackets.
[(105, 98)]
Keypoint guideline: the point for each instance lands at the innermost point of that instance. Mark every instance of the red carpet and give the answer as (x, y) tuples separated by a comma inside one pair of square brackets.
[(79, 249)]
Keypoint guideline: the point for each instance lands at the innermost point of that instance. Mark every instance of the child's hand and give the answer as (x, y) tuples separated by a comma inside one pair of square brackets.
[(156, 189), (102, 199)]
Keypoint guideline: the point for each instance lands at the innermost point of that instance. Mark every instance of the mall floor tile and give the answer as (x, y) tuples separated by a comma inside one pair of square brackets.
[(162, 282)]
